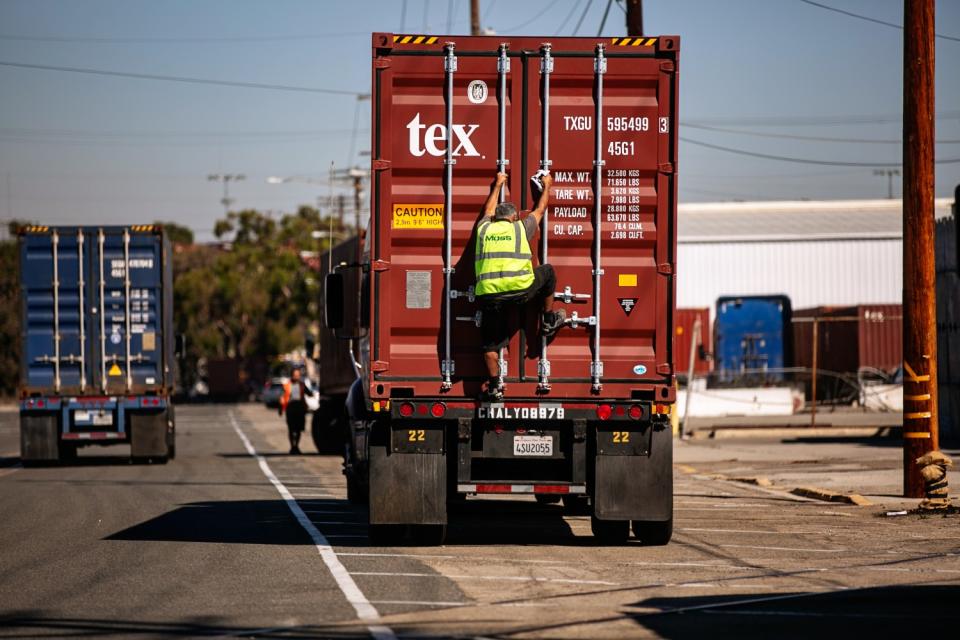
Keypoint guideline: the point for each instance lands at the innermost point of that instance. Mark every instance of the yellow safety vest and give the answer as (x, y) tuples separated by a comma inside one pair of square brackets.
[(502, 263)]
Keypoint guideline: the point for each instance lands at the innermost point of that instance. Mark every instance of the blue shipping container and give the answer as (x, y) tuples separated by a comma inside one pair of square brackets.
[(752, 340), (97, 350)]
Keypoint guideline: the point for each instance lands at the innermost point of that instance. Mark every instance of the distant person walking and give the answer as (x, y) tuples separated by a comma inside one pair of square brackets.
[(294, 403)]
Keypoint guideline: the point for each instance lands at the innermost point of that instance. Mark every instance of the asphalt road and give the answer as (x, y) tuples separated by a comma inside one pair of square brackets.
[(207, 545)]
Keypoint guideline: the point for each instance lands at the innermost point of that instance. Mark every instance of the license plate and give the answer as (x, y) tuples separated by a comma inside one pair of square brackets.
[(533, 446), (104, 420)]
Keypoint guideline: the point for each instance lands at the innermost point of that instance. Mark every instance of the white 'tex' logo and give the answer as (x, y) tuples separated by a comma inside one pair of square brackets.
[(438, 133)]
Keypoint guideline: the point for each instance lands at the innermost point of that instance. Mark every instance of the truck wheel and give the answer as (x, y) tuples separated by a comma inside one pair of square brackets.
[(610, 531), (384, 535), (653, 533), (547, 498), (428, 535), (67, 452), (357, 491), (575, 505)]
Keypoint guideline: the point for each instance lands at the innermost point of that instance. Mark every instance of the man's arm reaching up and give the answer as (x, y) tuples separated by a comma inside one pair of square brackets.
[(537, 212), (490, 206)]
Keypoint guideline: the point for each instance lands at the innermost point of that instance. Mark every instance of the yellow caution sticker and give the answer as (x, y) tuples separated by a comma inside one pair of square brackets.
[(627, 280), (115, 370), (418, 216)]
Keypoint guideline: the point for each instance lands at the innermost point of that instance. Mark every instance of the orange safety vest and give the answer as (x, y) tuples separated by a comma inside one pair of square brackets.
[(285, 398)]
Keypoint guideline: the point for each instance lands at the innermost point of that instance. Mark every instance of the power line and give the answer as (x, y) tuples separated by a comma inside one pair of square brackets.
[(179, 40), (869, 19), (563, 24), (583, 15), (797, 121), (786, 136), (830, 163), (183, 79), (170, 134), (539, 13)]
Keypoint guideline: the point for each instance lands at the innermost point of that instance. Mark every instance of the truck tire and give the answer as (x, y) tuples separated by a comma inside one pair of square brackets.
[(653, 533), (428, 535), (610, 531), (67, 452), (326, 431), (575, 505), (385, 535)]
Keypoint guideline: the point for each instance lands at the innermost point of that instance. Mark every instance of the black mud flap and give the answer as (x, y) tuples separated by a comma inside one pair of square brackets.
[(406, 488), (636, 487), (39, 438), (148, 435)]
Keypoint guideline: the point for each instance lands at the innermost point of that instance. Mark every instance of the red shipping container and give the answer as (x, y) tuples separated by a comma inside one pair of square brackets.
[(622, 346), (850, 338), (684, 334)]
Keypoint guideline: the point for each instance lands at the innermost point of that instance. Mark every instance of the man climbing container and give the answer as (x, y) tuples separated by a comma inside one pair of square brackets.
[(506, 276)]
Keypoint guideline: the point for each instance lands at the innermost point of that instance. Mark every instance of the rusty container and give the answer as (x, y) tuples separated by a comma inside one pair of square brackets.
[(867, 336)]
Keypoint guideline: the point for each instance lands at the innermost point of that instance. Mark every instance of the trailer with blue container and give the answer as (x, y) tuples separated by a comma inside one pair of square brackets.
[(753, 340), (97, 346)]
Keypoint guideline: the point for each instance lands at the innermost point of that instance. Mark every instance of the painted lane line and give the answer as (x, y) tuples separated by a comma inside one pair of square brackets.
[(469, 577), (423, 603), (365, 611), (750, 546), (919, 570), (697, 565), (767, 531), (472, 560)]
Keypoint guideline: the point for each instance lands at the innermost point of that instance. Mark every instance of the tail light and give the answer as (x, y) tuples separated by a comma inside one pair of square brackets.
[(406, 409), (40, 403), (662, 409), (604, 411), (438, 410), (635, 411)]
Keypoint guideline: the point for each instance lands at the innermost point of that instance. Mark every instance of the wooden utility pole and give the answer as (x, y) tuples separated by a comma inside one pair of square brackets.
[(474, 17), (634, 17), (919, 290)]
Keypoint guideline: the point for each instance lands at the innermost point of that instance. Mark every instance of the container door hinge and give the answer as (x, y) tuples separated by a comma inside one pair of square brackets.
[(665, 167), (381, 265), (667, 66), (380, 366), (665, 268), (381, 165), (664, 368), (384, 63)]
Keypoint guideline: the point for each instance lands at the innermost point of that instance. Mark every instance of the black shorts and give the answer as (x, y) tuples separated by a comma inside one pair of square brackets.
[(495, 326)]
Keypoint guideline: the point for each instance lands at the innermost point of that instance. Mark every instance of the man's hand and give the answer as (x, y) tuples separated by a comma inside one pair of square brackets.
[(501, 179), (547, 180)]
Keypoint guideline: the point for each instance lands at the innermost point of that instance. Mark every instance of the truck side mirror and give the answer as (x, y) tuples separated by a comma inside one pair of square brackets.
[(333, 292)]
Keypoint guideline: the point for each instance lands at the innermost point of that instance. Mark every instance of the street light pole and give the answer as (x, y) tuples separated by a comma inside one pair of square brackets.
[(920, 434), (889, 173), (226, 179)]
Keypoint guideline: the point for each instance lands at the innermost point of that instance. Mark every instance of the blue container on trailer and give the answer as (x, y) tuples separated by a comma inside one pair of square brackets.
[(752, 340), (97, 345)]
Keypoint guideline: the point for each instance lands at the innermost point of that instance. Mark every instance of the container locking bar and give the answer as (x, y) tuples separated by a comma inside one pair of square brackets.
[(503, 68), (546, 68), (126, 300), (81, 285), (468, 294), (476, 318), (596, 364), (55, 244), (103, 316), (568, 296), (449, 68)]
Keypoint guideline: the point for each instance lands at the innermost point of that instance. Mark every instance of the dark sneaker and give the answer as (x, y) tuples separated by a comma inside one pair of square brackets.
[(294, 450), (552, 321), (493, 393)]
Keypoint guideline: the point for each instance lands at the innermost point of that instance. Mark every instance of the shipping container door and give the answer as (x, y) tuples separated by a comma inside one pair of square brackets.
[(409, 224), (128, 338), (53, 269), (635, 218)]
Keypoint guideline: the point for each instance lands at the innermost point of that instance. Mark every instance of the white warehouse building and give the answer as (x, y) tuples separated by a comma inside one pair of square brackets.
[(831, 252)]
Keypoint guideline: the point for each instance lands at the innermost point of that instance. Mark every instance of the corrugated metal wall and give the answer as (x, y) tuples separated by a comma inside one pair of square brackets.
[(811, 273), (948, 329)]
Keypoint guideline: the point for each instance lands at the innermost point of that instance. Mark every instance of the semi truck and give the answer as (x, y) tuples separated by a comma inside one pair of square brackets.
[(97, 346), (585, 415)]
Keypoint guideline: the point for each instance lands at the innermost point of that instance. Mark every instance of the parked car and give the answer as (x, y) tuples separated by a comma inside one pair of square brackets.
[(272, 391)]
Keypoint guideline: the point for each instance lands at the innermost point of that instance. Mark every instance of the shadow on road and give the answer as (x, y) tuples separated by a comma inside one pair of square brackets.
[(32, 624), (230, 522)]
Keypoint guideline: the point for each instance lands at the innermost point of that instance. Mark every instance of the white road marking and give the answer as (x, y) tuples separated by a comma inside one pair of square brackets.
[(919, 570), (414, 556), (423, 603), (469, 577), (365, 611), (790, 533), (750, 546), (699, 565)]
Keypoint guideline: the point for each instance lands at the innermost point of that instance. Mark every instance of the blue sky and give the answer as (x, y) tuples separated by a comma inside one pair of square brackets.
[(77, 148)]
